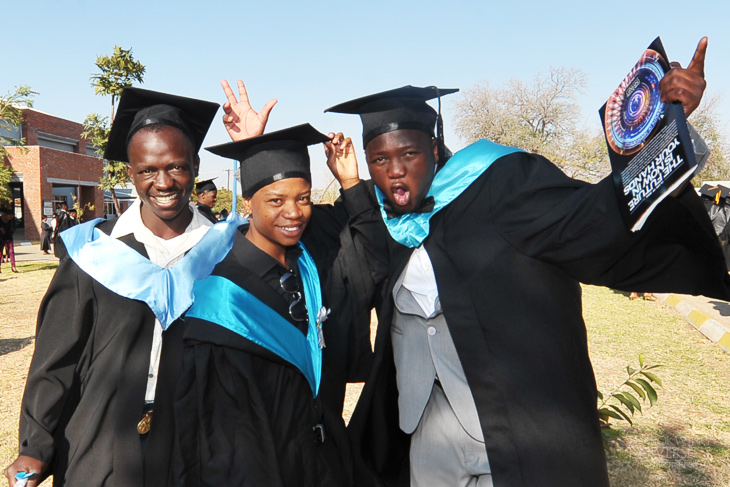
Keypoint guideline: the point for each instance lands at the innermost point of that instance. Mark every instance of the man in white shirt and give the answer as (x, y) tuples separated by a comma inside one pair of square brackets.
[(95, 409)]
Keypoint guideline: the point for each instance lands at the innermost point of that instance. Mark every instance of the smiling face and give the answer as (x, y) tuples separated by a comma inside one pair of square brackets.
[(279, 213), (163, 166), (402, 165)]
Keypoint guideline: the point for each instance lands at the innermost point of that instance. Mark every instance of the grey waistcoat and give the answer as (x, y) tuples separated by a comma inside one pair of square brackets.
[(423, 351)]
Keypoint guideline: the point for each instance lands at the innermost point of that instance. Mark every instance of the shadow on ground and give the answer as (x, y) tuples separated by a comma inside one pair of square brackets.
[(722, 307), (680, 459), (37, 266), (10, 345)]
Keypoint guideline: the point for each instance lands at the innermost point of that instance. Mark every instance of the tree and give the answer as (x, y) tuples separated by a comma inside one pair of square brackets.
[(541, 117), (225, 200), (6, 173), (96, 131), (329, 194), (705, 120), (11, 115), (117, 71)]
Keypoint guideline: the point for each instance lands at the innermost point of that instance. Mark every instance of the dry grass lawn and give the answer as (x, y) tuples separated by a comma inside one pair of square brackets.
[(20, 295), (682, 441)]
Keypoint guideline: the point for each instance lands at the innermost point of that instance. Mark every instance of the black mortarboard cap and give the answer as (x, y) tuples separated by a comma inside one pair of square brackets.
[(207, 185), (400, 109), (714, 192), (270, 157), (139, 108)]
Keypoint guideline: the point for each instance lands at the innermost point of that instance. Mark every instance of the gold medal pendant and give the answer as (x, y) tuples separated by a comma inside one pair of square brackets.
[(145, 424)]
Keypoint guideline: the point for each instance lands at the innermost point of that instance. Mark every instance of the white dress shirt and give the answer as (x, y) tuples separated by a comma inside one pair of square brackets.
[(164, 253)]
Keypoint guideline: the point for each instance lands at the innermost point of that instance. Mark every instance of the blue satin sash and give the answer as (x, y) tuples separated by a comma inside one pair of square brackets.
[(224, 303), (122, 270), (464, 167)]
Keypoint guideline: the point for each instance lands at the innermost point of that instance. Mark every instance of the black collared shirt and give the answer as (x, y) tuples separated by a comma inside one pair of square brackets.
[(271, 271)]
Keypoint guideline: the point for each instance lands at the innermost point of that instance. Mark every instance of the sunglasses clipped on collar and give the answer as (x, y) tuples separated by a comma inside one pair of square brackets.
[(297, 309)]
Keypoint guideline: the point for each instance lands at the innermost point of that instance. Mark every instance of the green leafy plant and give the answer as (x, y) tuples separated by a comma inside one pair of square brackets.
[(625, 400), (116, 72), (81, 209), (96, 131), (11, 115)]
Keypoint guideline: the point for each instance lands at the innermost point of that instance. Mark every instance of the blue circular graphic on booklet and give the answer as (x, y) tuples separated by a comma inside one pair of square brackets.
[(635, 108)]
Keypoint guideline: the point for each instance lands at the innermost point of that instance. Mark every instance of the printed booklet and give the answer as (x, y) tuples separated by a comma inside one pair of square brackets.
[(649, 145)]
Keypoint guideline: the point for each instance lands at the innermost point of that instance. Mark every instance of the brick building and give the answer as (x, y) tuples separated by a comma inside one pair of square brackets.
[(58, 166)]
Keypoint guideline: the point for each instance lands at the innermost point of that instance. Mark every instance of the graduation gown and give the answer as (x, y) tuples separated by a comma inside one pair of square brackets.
[(246, 416), (207, 212), (86, 385), (63, 222), (46, 231), (508, 255)]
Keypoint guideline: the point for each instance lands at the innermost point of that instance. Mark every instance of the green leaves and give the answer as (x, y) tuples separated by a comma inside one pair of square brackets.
[(225, 200), (650, 391), (625, 400), (117, 71), (96, 131), (11, 116), (652, 377)]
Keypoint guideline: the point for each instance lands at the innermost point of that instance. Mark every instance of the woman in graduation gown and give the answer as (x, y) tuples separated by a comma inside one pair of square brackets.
[(46, 232), (260, 397)]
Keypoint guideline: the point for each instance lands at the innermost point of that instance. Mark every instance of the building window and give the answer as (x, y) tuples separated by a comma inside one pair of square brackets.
[(63, 194), (109, 209), (57, 142), (91, 150), (10, 133)]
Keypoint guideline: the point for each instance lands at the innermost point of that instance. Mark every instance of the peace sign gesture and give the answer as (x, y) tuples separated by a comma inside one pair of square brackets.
[(242, 121)]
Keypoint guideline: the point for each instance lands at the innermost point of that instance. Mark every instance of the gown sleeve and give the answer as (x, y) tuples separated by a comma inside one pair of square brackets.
[(349, 245), (577, 227), (54, 380)]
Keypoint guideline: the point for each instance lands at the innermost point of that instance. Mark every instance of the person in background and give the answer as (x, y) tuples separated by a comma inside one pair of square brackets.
[(7, 228), (46, 232), (207, 198), (63, 221), (73, 217)]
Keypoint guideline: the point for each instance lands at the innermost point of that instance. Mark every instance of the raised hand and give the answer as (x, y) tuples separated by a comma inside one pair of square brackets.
[(341, 160), (686, 85), (242, 121)]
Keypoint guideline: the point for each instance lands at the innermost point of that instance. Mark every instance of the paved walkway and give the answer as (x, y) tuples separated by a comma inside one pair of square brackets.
[(26, 251), (710, 316)]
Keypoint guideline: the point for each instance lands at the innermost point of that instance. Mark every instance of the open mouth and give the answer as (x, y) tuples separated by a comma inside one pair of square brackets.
[(401, 196)]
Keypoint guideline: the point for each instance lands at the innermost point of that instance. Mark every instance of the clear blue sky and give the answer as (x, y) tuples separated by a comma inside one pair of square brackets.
[(311, 54)]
